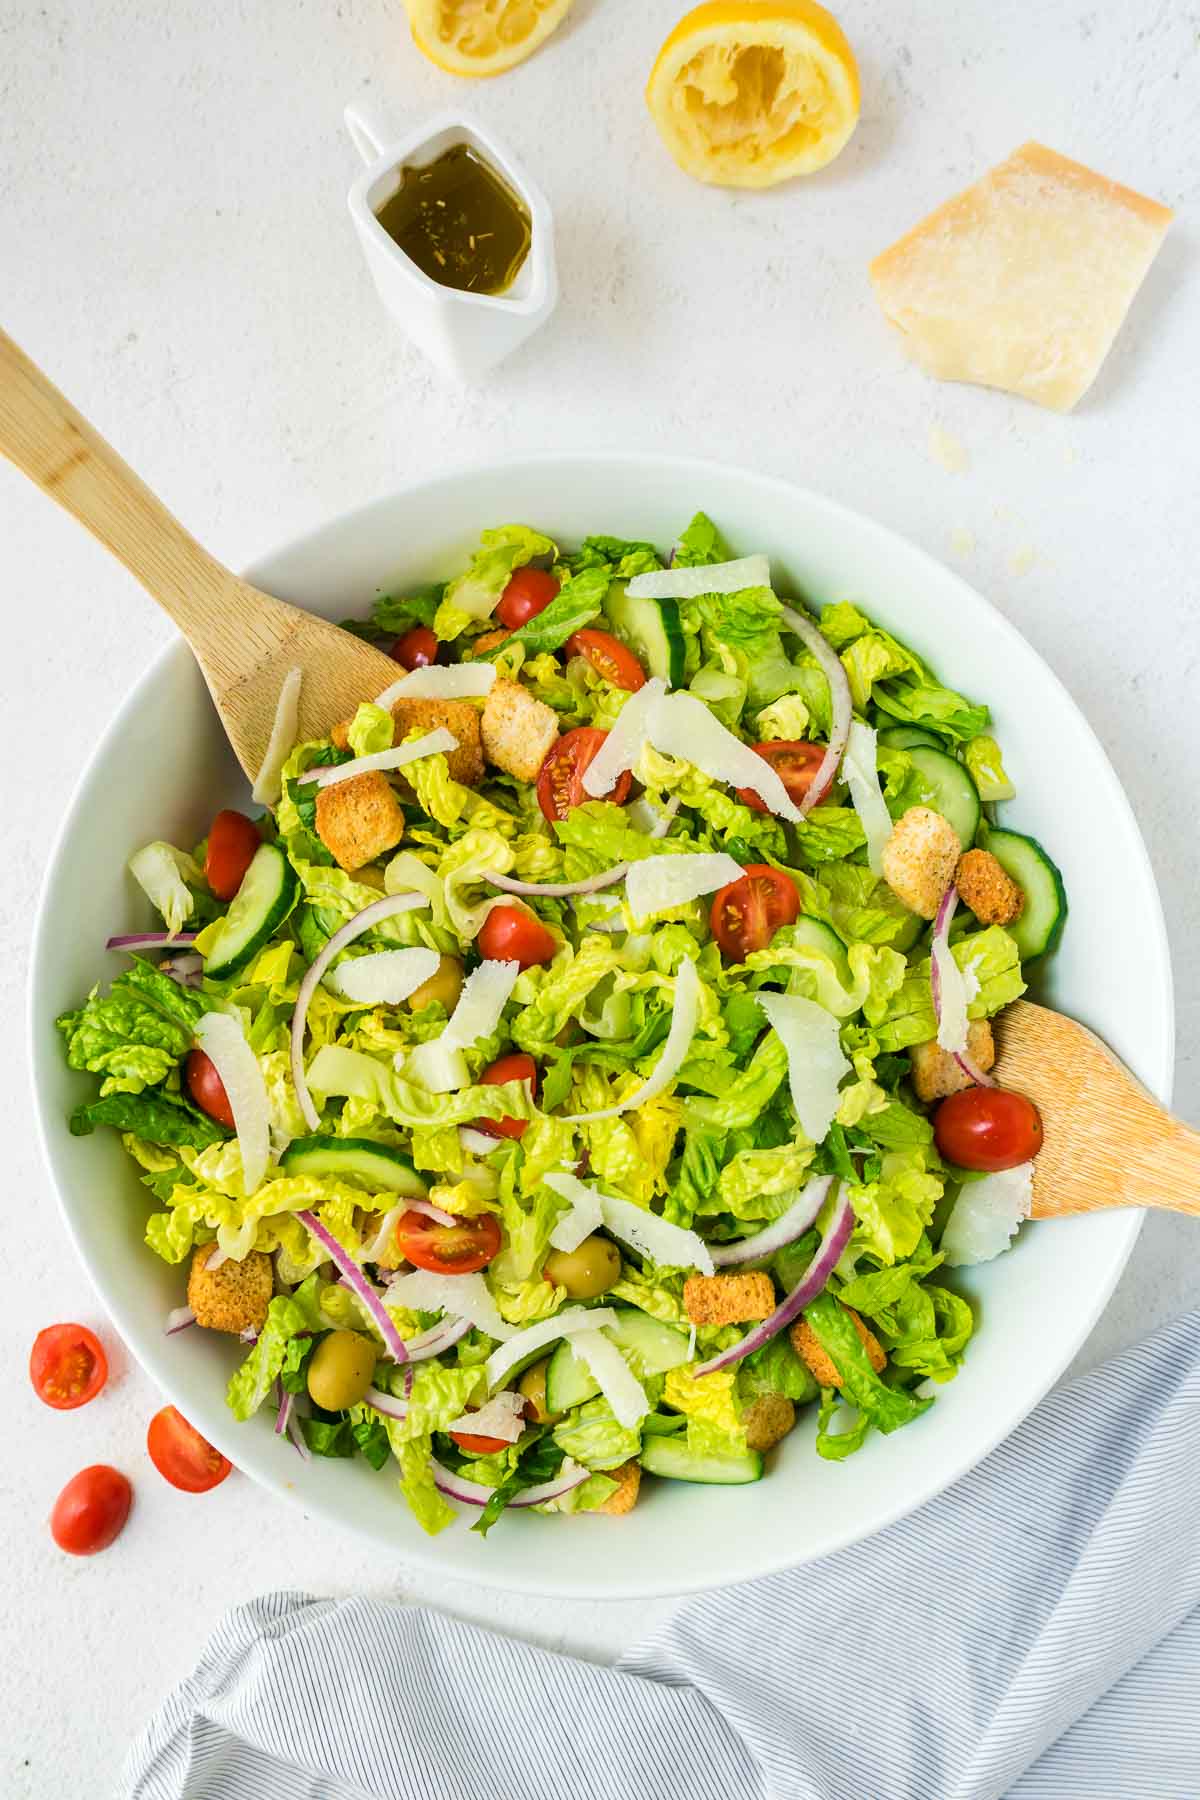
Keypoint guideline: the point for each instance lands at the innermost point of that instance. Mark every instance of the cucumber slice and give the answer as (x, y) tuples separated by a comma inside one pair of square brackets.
[(670, 1457), (651, 629), (649, 1347), (814, 934), (374, 1166), (907, 737), (267, 895), (951, 790), (1045, 910)]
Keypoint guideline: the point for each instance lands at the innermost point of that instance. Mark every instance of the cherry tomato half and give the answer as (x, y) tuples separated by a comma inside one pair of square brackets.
[(181, 1456), (609, 657), (91, 1510), (479, 1446), (457, 1249), (67, 1366), (746, 915), (517, 1067), (987, 1128), (232, 842), (528, 593), (207, 1089), (560, 784), (796, 762), (417, 649), (510, 934)]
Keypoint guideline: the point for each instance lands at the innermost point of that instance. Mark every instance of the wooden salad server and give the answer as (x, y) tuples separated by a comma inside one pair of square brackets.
[(245, 641), (1107, 1142)]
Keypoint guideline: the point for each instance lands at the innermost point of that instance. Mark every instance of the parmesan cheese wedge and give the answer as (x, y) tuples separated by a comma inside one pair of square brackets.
[(1022, 281)]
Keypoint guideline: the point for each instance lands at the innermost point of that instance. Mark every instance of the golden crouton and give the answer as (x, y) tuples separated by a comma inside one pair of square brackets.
[(459, 717), (728, 1299), (518, 730), (919, 859), (767, 1420), (988, 889), (487, 640), (629, 1477), (359, 819), (235, 1295), (934, 1070), (809, 1349)]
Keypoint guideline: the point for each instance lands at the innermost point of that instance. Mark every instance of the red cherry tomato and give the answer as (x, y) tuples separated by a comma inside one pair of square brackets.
[(510, 934), (517, 1067), (795, 762), (181, 1456), (746, 915), (417, 649), (528, 593), (207, 1089), (232, 842), (67, 1366), (560, 784), (91, 1510), (987, 1128), (457, 1249), (479, 1446), (609, 657)]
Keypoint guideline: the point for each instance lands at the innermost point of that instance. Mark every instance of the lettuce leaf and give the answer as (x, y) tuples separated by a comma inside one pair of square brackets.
[(884, 1407), (371, 730), (701, 543), (149, 1116), (136, 1033), (893, 1211), (982, 757), (250, 1385), (905, 1015), (711, 1406), (473, 594), (922, 1326), (575, 605), (430, 1509), (591, 1435), (776, 1369)]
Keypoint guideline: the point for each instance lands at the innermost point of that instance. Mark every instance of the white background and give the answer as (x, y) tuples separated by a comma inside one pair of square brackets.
[(175, 250)]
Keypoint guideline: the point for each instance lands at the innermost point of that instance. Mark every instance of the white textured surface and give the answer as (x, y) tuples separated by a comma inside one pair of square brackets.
[(177, 254)]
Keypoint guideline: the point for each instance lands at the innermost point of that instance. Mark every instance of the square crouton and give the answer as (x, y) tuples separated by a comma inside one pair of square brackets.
[(821, 1366), (767, 1420), (934, 1070), (235, 1295), (628, 1477), (919, 859), (728, 1299), (359, 819), (460, 719), (518, 730)]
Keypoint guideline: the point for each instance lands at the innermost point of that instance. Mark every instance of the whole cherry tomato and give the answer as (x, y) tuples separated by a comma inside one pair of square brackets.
[(987, 1128)]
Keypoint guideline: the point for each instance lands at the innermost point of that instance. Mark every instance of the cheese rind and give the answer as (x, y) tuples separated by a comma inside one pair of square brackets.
[(1022, 281)]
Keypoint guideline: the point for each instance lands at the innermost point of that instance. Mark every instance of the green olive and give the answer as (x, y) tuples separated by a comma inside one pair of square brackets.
[(532, 1388), (341, 1368), (445, 984), (590, 1270)]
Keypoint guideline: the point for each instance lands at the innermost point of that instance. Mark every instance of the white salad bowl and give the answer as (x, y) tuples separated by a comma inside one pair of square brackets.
[(162, 769)]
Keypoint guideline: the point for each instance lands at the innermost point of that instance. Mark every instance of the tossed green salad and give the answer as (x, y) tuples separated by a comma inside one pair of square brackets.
[(580, 1069)]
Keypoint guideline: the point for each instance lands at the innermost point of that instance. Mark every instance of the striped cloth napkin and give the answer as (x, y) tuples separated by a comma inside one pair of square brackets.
[(1033, 1632)]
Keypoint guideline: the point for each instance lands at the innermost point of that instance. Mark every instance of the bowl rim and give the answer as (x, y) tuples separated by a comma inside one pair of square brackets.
[(754, 1561)]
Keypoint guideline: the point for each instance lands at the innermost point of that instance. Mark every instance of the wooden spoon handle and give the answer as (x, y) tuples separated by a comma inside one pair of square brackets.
[(56, 447)]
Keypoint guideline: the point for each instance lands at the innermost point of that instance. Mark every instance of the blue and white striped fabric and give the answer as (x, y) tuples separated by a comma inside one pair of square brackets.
[(1034, 1632)]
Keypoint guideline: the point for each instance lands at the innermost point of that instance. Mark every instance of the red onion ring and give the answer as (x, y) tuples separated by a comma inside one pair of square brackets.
[(178, 1319), (841, 703), (473, 1493), (151, 940), (296, 1434), (941, 932), (362, 921), (435, 1213), (556, 890), (387, 1404), (810, 1284), (355, 1279), (783, 1230), (285, 1409), (439, 1337)]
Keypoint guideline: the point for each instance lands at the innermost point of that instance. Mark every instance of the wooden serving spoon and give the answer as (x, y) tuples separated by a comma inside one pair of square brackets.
[(245, 641), (1108, 1142)]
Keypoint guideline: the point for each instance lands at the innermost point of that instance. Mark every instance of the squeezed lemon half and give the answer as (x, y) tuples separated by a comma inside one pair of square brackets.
[(750, 92), (482, 37)]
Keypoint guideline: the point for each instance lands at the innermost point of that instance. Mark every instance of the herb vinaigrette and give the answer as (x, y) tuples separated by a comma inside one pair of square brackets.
[(459, 222)]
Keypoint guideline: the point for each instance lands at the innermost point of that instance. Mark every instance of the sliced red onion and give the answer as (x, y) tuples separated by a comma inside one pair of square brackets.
[(151, 940), (354, 1288), (783, 1230), (841, 702), (380, 1242), (178, 1319), (365, 920), (387, 1404), (355, 1279), (811, 1283), (435, 1213), (285, 1409), (941, 934), (249, 1335), (557, 890), (215, 1258), (187, 970), (473, 1493), (666, 818), (442, 1336), (295, 1432), (479, 1143)]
